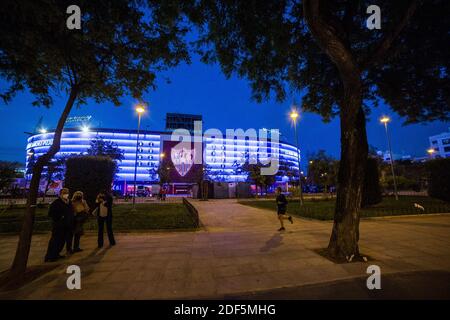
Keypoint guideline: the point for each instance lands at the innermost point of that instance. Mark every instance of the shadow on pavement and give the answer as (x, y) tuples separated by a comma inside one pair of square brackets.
[(423, 285), (275, 241)]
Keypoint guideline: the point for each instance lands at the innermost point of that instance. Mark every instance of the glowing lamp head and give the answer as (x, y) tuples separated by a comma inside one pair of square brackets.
[(43, 130), (162, 155), (294, 115), (85, 129), (430, 151), (384, 119), (140, 109)]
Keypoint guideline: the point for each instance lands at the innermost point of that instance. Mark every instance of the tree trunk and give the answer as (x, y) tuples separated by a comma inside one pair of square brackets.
[(19, 265), (345, 235), (354, 149), (47, 183)]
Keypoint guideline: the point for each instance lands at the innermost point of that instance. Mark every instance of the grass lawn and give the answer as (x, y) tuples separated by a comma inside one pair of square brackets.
[(149, 216), (324, 209)]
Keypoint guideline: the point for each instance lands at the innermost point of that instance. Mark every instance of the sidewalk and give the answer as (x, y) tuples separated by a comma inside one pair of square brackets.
[(238, 252)]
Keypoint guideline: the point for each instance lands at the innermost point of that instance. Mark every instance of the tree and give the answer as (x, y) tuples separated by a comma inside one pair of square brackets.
[(105, 148), (323, 49), (415, 172), (202, 174), (254, 175), (323, 169), (371, 193), (8, 172), (164, 171), (118, 51), (439, 178)]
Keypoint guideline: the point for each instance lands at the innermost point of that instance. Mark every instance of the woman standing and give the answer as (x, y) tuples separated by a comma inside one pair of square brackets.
[(81, 212), (104, 215)]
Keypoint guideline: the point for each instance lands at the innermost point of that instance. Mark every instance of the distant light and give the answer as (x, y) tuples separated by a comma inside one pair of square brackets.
[(294, 115), (85, 128), (162, 155), (431, 151), (140, 109), (311, 162), (43, 130), (385, 119)]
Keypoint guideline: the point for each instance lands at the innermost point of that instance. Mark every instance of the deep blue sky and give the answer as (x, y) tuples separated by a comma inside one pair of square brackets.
[(202, 89)]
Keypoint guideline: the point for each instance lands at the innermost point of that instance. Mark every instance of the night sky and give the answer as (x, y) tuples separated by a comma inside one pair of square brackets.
[(203, 89)]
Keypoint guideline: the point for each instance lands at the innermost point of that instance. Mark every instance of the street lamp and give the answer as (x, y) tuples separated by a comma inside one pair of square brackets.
[(140, 109), (294, 117), (385, 120), (431, 151)]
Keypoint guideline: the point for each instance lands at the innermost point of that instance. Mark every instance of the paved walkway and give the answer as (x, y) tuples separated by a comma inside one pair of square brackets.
[(238, 253)]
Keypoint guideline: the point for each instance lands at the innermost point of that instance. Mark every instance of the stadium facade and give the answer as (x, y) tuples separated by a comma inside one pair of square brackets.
[(154, 145)]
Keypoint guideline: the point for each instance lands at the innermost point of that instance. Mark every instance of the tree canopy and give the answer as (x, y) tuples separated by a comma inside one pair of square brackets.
[(117, 52), (106, 148), (405, 64)]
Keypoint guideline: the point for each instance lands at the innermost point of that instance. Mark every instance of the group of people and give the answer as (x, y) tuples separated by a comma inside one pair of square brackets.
[(68, 217)]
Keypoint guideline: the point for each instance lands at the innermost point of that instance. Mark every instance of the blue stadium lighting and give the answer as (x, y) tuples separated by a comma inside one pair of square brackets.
[(221, 162)]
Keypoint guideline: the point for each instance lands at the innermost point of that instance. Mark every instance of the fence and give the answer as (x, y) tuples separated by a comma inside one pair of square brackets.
[(192, 211)]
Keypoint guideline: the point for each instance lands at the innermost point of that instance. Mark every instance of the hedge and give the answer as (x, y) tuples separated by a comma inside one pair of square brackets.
[(439, 179), (89, 174), (371, 193)]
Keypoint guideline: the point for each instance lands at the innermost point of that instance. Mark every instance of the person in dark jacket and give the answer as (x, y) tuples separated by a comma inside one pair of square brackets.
[(282, 208), (104, 214), (81, 212), (60, 211)]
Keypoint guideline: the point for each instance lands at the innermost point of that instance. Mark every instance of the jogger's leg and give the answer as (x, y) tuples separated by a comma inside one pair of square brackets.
[(280, 217)]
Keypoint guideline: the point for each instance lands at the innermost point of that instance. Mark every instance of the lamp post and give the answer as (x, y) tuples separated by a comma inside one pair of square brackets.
[(140, 110), (431, 152), (385, 120), (294, 117)]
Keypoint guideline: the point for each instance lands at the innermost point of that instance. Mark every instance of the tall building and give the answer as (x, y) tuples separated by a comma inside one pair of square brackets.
[(441, 145)]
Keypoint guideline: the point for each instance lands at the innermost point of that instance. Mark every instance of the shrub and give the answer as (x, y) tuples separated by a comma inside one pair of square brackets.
[(403, 183), (371, 193), (89, 174), (439, 179)]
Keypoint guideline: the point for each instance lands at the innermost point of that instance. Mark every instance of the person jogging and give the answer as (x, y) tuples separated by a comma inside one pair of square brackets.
[(282, 208)]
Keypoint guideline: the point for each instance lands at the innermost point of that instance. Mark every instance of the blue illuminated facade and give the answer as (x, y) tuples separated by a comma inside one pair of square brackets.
[(220, 161)]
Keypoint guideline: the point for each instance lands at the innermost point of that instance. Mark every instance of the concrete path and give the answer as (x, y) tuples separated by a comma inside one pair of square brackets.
[(238, 253)]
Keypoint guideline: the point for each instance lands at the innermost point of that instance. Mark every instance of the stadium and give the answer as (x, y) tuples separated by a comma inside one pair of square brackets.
[(146, 152)]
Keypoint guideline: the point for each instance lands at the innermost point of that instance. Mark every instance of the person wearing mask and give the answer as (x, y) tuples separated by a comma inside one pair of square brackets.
[(282, 208), (60, 212), (104, 215), (81, 212)]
